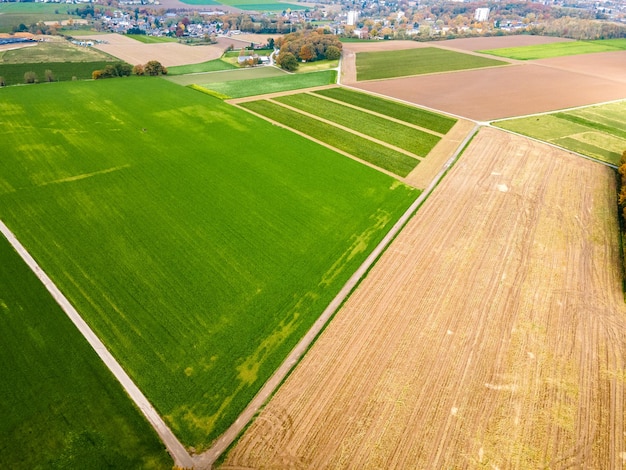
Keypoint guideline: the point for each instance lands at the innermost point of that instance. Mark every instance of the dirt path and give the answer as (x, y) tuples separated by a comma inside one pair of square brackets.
[(174, 447), (491, 333)]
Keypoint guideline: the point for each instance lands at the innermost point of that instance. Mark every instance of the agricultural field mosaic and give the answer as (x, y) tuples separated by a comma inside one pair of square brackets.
[(198, 241), (596, 131), (347, 120)]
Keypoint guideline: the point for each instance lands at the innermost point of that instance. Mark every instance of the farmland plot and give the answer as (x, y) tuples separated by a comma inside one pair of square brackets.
[(492, 332), (596, 131), (199, 242)]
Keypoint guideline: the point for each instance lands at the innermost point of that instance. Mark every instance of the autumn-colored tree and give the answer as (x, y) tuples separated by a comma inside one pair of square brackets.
[(306, 53), (154, 68), (138, 69)]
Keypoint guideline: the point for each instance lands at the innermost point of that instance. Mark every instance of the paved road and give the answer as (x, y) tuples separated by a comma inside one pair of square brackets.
[(174, 447)]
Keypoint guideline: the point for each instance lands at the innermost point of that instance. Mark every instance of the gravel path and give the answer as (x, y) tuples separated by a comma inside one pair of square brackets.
[(174, 447)]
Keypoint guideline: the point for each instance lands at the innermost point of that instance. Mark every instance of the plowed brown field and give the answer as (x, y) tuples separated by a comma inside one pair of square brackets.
[(491, 333)]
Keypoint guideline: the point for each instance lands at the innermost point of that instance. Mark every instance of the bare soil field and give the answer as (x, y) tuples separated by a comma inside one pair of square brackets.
[(169, 54), (608, 65), (502, 92), (492, 332)]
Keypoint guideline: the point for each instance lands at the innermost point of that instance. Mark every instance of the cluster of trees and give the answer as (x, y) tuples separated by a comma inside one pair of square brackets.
[(307, 46), (122, 69), (118, 69), (31, 77)]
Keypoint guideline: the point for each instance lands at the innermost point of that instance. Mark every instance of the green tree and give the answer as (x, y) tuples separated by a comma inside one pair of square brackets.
[(333, 53), (287, 61)]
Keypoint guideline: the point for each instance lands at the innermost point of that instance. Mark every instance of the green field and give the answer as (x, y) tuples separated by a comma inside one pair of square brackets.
[(360, 147), (227, 75), (209, 66), (198, 241), (270, 5), (283, 82), (61, 407), (151, 39), (596, 131), (402, 63), (558, 49), (418, 142), (62, 71), (27, 13), (419, 117), (56, 50)]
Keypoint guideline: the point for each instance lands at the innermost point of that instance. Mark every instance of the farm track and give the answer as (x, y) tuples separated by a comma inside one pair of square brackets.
[(492, 332)]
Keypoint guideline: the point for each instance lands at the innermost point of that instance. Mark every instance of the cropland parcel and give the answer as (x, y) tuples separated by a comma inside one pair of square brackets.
[(198, 241), (495, 93), (595, 131), (491, 333)]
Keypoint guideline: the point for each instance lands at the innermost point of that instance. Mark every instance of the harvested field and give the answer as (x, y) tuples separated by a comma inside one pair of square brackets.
[(503, 91), (491, 333), (608, 65), (168, 54)]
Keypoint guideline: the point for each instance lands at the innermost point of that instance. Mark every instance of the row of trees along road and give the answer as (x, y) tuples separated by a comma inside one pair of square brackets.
[(307, 46)]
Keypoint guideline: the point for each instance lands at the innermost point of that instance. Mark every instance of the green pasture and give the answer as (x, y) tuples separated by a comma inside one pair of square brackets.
[(198, 241), (419, 117), (412, 140), (558, 49), (62, 71), (402, 63), (596, 131), (360, 147), (61, 407), (151, 39), (283, 82), (27, 13), (203, 67), (273, 6)]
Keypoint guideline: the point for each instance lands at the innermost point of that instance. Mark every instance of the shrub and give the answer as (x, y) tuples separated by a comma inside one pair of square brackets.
[(30, 77), (3, 81), (138, 69)]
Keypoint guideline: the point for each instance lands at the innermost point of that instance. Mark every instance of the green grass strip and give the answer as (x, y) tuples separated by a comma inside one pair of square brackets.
[(209, 66), (419, 117), (360, 147), (60, 407), (407, 138), (402, 63), (260, 86), (151, 39), (617, 132), (558, 49)]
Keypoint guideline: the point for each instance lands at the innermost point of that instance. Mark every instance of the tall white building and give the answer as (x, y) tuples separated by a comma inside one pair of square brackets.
[(481, 14), (353, 16)]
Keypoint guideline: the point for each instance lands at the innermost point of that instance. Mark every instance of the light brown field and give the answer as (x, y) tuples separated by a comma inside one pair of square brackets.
[(492, 332), (169, 54), (527, 87)]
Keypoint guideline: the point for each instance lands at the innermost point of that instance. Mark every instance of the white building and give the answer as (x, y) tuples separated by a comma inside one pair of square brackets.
[(353, 16), (481, 14)]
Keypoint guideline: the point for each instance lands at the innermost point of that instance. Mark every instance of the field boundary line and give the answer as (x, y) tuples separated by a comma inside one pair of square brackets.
[(180, 455), (209, 457)]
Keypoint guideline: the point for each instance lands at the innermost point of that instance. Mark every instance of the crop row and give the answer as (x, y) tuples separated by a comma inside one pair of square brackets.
[(408, 138), (419, 117), (355, 145)]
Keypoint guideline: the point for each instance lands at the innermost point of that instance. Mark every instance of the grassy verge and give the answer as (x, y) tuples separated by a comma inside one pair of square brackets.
[(412, 115), (198, 241), (143, 38), (558, 49), (407, 138), (61, 408), (360, 147), (402, 63), (596, 131)]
